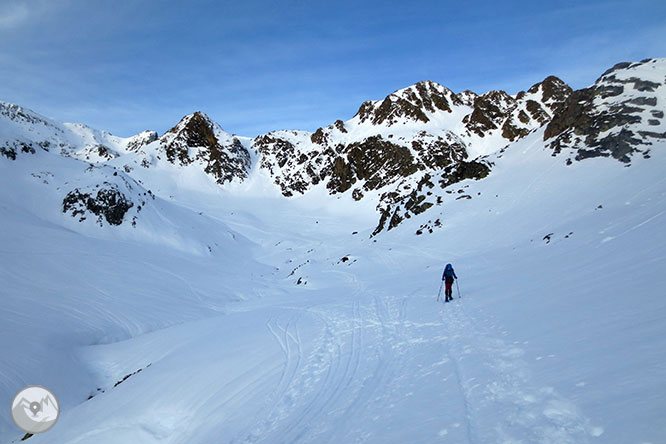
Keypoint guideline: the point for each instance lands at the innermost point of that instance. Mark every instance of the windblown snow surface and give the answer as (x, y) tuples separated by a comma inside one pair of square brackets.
[(558, 335)]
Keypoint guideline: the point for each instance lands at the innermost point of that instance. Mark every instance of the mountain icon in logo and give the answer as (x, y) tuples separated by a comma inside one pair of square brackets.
[(35, 409)]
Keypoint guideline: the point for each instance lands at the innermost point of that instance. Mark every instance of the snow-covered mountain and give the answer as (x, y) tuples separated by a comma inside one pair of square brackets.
[(392, 152), (199, 286)]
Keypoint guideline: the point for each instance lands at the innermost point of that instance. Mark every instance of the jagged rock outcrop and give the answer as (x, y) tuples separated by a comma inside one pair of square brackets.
[(406, 201), (515, 116), (293, 161), (412, 103), (196, 138), (108, 204)]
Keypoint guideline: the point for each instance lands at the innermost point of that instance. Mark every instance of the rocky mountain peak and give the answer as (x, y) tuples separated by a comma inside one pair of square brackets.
[(467, 97), (142, 139), (412, 103), (553, 92), (20, 114), (196, 138), (196, 129)]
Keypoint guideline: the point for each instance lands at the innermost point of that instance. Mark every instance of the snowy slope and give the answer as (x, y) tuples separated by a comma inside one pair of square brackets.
[(229, 313)]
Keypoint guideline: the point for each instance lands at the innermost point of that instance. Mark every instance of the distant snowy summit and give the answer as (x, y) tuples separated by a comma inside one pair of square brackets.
[(400, 154)]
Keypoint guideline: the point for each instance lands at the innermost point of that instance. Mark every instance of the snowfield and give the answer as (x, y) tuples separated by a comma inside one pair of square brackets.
[(235, 315)]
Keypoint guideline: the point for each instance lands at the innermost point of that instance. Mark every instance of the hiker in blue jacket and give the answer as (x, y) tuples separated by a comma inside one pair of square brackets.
[(448, 277)]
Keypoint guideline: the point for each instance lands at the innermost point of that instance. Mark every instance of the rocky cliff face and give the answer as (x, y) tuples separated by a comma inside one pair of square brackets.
[(423, 127), (619, 116)]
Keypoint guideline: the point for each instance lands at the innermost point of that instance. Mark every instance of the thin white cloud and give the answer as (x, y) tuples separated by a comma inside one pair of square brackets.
[(13, 15), (16, 13)]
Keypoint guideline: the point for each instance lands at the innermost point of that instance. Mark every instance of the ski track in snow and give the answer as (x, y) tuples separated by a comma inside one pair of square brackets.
[(359, 366), (502, 403)]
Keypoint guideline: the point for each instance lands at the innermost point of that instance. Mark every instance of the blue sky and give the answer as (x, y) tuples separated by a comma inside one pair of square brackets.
[(256, 66)]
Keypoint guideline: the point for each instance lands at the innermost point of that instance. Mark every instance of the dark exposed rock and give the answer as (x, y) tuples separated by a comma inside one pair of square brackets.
[(606, 91), (438, 153), (554, 92), (129, 375), (644, 101), (498, 110), (395, 207), (282, 149), (225, 167), (388, 111), (374, 160), (416, 203), (384, 214), (339, 124), (293, 170), (580, 123), (99, 150), (523, 117), (12, 149), (512, 132), (9, 153), (395, 219), (319, 137), (197, 133), (109, 203), (657, 114), (490, 110), (537, 112), (342, 177), (652, 134), (574, 114), (618, 145), (617, 67), (643, 85), (103, 151), (467, 97), (464, 170)]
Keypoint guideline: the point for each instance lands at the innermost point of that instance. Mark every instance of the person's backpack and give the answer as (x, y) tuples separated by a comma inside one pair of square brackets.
[(448, 271)]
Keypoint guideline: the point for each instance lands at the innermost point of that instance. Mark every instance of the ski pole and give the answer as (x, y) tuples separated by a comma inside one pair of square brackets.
[(458, 288), (440, 291)]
